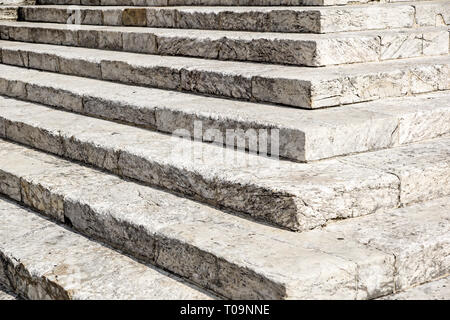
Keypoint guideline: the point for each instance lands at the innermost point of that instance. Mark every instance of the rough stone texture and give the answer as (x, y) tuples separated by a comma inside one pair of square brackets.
[(17, 2), (265, 19), (6, 295), (401, 233), (433, 13), (41, 260), (294, 49), (380, 251), (214, 2), (435, 290), (294, 86), (297, 196), (165, 230), (8, 13), (303, 135), (411, 165), (234, 180)]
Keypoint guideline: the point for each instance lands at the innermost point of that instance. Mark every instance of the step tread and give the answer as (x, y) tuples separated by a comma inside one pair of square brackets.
[(277, 19), (435, 290), (240, 8), (307, 265), (294, 195), (6, 295), (362, 127), (277, 48), (284, 3), (87, 271), (232, 34), (290, 85)]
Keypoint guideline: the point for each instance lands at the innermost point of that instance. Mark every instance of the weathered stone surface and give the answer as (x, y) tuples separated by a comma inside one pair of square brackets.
[(213, 2), (297, 196), (237, 183), (433, 13), (141, 220), (295, 49), (415, 235), (265, 19), (41, 260), (9, 13), (303, 135), (6, 295), (412, 166), (294, 86), (435, 290)]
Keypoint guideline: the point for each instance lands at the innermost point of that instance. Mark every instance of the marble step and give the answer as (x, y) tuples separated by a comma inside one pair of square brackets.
[(303, 135), (43, 260), (214, 2), (296, 196), (277, 48), (360, 258), (303, 87), (434, 290), (8, 13), (262, 19), (6, 295)]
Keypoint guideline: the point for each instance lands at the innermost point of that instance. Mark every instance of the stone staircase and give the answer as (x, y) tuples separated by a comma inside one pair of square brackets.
[(224, 149)]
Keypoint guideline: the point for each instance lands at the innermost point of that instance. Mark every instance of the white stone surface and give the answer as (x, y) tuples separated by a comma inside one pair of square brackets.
[(210, 173), (295, 86), (240, 18), (297, 196), (278, 48), (6, 295), (41, 260), (303, 135), (434, 290), (224, 250), (400, 232), (8, 13)]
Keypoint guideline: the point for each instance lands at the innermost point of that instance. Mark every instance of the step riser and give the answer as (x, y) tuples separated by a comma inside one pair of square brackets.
[(166, 241), (373, 131), (353, 48), (256, 201), (339, 89), (313, 197), (35, 264), (22, 280), (148, 246), (213, 2), (10, 14), (152, 246), (277, 20), (263, 21)]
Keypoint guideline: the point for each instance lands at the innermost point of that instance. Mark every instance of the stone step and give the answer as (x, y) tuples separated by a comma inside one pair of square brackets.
[(435, 290), (263, 19), (214, 2), (303, 87), (9, 13), (297, 196), (6, 295), (303, 135), (366, 257), (292, 49), (43, 260)]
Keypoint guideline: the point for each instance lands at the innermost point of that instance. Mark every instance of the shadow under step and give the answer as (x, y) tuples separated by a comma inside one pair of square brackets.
[(216, 250), (303, 87), (262, 19), (296, 134), (297, 196), (291, 49)]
